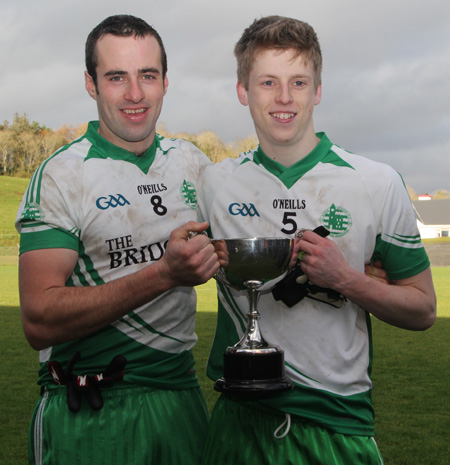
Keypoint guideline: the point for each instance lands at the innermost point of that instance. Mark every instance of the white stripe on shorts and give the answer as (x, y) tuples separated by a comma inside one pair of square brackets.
[(378, 450), (37, 431)]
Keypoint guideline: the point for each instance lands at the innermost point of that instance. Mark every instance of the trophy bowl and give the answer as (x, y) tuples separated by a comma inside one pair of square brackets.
[(252, 259), (252, 366)]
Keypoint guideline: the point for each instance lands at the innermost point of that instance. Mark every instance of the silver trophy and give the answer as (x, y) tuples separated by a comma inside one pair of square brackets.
[(252, 366)]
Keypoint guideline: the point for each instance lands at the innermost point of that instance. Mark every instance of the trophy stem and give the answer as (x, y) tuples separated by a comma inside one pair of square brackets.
[(252, 338), (253, 297)]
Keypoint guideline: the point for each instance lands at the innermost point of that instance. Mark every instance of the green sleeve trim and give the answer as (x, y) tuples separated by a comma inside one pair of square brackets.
[(48, 239), (401, 262)]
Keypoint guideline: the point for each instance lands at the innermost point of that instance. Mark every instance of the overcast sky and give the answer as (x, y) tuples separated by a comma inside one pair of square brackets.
[(386, 78)]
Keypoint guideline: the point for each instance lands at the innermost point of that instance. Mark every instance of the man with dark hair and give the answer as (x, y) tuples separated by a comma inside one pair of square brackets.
[(120, 26), (105, 287), (299, 180)]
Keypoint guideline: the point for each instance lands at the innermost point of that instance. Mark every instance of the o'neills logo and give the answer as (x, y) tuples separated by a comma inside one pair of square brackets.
[(146, 189)]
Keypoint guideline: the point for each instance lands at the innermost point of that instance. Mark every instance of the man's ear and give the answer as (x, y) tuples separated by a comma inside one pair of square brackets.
[(318, 98), (242, 93), (165, 84), (90, 85)]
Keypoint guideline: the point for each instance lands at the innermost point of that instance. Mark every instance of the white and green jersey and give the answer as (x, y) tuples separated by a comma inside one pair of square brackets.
[(365, 206), (117, 211)]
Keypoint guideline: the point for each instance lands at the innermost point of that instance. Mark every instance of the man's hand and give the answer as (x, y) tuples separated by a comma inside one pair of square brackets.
[(222, 252), (377, 272), (322, 261), (189, 260)]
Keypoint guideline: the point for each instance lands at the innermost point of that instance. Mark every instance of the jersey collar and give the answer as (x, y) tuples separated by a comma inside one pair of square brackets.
[(102, 148), (290, 175)]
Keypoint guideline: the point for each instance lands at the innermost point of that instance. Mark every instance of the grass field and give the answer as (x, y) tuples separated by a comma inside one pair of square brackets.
[(411, 370), (11, 190), (411, 378)]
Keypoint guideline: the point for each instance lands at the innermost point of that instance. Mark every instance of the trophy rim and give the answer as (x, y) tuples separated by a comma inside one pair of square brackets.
[(260, 238)]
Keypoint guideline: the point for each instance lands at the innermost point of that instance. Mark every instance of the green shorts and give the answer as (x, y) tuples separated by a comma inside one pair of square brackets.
[(244, 433), (137, 425)]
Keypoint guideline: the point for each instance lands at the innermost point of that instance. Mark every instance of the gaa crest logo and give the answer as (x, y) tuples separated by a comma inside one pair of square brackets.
[(337, 220), (112, 201), (189, 194), (242, 209)]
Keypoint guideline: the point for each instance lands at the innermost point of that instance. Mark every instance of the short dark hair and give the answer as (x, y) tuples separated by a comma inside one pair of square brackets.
[(122, 26), (280, 33)]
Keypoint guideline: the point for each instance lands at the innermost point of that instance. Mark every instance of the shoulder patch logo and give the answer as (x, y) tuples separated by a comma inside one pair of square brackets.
[(337, 220), (33, 211), (189, 194)]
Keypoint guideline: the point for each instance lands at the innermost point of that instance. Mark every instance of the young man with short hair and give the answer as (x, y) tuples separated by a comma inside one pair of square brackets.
[(298, 179)]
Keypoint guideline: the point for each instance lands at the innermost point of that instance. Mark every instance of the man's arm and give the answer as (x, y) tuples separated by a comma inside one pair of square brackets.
[(407, 303), (53, 313)]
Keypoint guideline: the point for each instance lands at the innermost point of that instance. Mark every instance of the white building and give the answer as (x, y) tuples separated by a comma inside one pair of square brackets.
[(433, 217)]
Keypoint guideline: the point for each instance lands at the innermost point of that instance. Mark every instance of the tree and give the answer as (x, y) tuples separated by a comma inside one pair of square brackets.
[(21, 124), (24, 145), (412, 193), (243, 145), (6, 152), (70, 132), (441, 194), (212, 145)]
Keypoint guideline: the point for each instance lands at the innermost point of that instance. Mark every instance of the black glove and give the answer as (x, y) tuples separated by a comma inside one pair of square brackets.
[(85, 385), (295, 286)]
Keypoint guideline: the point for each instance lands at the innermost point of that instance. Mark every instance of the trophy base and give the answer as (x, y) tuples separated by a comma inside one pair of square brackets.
[(254, 372), (252, 387)]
